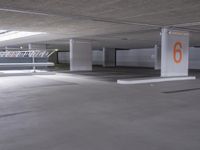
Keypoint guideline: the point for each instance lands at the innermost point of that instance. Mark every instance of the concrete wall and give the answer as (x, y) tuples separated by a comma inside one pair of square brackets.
[(37, 46), (136, 57), (145, 58), (129, 57), (157, 65), (20, 60), (54, 58), (97, 57), (109, 57), (194, 58), (63, 57)]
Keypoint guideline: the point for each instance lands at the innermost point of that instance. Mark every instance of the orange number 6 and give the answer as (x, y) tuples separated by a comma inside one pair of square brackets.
[(177, 50)]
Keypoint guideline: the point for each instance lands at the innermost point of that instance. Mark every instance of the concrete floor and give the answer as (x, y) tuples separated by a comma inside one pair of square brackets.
[(89, 111)]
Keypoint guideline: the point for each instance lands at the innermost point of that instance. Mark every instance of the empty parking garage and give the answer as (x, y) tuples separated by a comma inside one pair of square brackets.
[(99, 75)]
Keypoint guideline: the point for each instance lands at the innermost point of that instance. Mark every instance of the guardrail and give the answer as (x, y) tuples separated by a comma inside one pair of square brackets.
[(27, 54), (31, 53)]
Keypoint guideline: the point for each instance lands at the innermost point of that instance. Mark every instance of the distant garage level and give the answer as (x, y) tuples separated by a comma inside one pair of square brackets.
[(134, 57)]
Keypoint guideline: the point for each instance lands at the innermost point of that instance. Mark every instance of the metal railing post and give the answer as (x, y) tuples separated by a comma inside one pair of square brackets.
[(34, 67)]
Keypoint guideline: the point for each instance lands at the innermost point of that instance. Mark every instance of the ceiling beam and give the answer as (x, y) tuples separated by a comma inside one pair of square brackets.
[(79, 17)]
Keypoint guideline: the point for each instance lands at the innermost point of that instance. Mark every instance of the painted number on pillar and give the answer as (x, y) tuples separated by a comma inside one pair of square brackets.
[(178, 53)]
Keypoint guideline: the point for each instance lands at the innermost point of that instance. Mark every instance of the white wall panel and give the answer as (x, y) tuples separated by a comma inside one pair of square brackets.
[(194, 58), (136, 57), (63, 57), (97, 57), (109, 57), (125, 57)]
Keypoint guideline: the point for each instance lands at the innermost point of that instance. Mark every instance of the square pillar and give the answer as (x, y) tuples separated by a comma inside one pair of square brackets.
[(157, 64), (109, 57), (80, 55), (175, 51)]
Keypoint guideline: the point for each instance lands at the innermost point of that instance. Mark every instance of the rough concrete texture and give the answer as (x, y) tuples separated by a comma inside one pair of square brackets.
[(89, 111), (113, 23)]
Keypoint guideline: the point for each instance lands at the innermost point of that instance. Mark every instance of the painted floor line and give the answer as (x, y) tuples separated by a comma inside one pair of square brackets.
[(154, 80)]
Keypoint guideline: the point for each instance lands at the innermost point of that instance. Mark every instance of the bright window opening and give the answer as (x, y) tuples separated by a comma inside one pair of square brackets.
[(10, 35)]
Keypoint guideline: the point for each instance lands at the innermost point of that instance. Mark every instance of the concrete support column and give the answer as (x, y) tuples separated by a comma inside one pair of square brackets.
[(80, 55), (109, 57), (157, 65), (174, 57)]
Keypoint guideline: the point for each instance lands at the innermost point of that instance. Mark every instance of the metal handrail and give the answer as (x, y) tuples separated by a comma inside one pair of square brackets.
[(29, 53)]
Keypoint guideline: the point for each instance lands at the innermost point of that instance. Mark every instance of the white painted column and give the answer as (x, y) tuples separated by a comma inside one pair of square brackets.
[(174, 57), (109, 57), (80, 55)]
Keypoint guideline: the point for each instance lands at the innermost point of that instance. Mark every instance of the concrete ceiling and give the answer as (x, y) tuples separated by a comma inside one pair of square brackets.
[(111, 23)]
